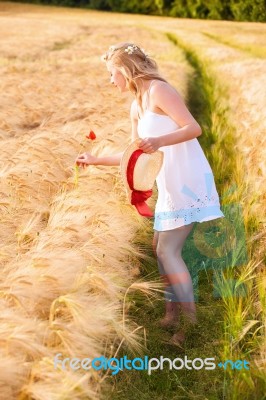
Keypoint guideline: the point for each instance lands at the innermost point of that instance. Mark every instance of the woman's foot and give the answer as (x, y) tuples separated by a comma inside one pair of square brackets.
[(178, 339), (171, 315)]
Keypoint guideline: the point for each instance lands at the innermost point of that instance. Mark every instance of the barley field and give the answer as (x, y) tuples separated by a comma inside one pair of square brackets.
[(78, 275)]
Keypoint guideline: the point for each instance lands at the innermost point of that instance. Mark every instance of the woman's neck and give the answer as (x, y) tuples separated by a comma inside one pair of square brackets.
[(145, 84)]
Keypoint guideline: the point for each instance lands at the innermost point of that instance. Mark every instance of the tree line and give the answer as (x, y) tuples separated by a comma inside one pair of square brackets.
[(234, 10)]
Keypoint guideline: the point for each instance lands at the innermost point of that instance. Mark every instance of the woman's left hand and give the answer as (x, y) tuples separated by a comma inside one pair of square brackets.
[(149, 144)]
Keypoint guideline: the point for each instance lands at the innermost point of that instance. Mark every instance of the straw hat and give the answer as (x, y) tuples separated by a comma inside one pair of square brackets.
[(139, 171)]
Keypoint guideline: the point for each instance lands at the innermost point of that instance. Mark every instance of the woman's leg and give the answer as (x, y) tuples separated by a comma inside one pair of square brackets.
[(171, 302), (169, 249)]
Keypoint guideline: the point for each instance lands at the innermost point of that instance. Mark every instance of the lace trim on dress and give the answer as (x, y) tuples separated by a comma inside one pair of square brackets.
[(187, 216), (197, 208)]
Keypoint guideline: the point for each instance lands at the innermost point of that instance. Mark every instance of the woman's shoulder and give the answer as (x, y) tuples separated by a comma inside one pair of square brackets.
[(162, 92), (159, 87)]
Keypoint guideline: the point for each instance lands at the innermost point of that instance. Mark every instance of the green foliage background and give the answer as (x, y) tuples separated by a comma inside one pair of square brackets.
[(235, 10)]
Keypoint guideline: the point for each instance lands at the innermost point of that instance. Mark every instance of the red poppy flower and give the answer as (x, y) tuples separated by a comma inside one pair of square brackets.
[(91, 136)]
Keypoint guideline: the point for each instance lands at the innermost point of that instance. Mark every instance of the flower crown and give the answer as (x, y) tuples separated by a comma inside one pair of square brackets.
[(129, 50), (132, 47)]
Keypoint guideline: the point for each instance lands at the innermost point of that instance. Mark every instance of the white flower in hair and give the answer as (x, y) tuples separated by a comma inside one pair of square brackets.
[(131, 48), (144, 52), (110, 50)]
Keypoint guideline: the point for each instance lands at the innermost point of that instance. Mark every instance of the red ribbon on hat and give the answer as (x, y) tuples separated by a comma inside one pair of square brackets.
[(138, 197)]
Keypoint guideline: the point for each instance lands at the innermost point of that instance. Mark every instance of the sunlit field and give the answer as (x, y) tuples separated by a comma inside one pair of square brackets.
[(78, 274)]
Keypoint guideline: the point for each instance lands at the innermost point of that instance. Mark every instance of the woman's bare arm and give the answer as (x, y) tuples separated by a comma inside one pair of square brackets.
[(168, 100), (88, 159)]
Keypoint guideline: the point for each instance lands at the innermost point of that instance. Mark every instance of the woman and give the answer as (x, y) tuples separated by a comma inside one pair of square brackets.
[(186, 188)]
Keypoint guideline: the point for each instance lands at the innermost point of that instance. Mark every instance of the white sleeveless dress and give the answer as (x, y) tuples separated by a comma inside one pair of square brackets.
[(185, 183)]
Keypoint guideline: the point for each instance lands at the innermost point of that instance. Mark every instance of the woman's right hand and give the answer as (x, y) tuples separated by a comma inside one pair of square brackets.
[(85, 159)]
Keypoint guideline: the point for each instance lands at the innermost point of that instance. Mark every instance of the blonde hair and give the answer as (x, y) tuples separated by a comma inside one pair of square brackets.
[(134, 64)]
